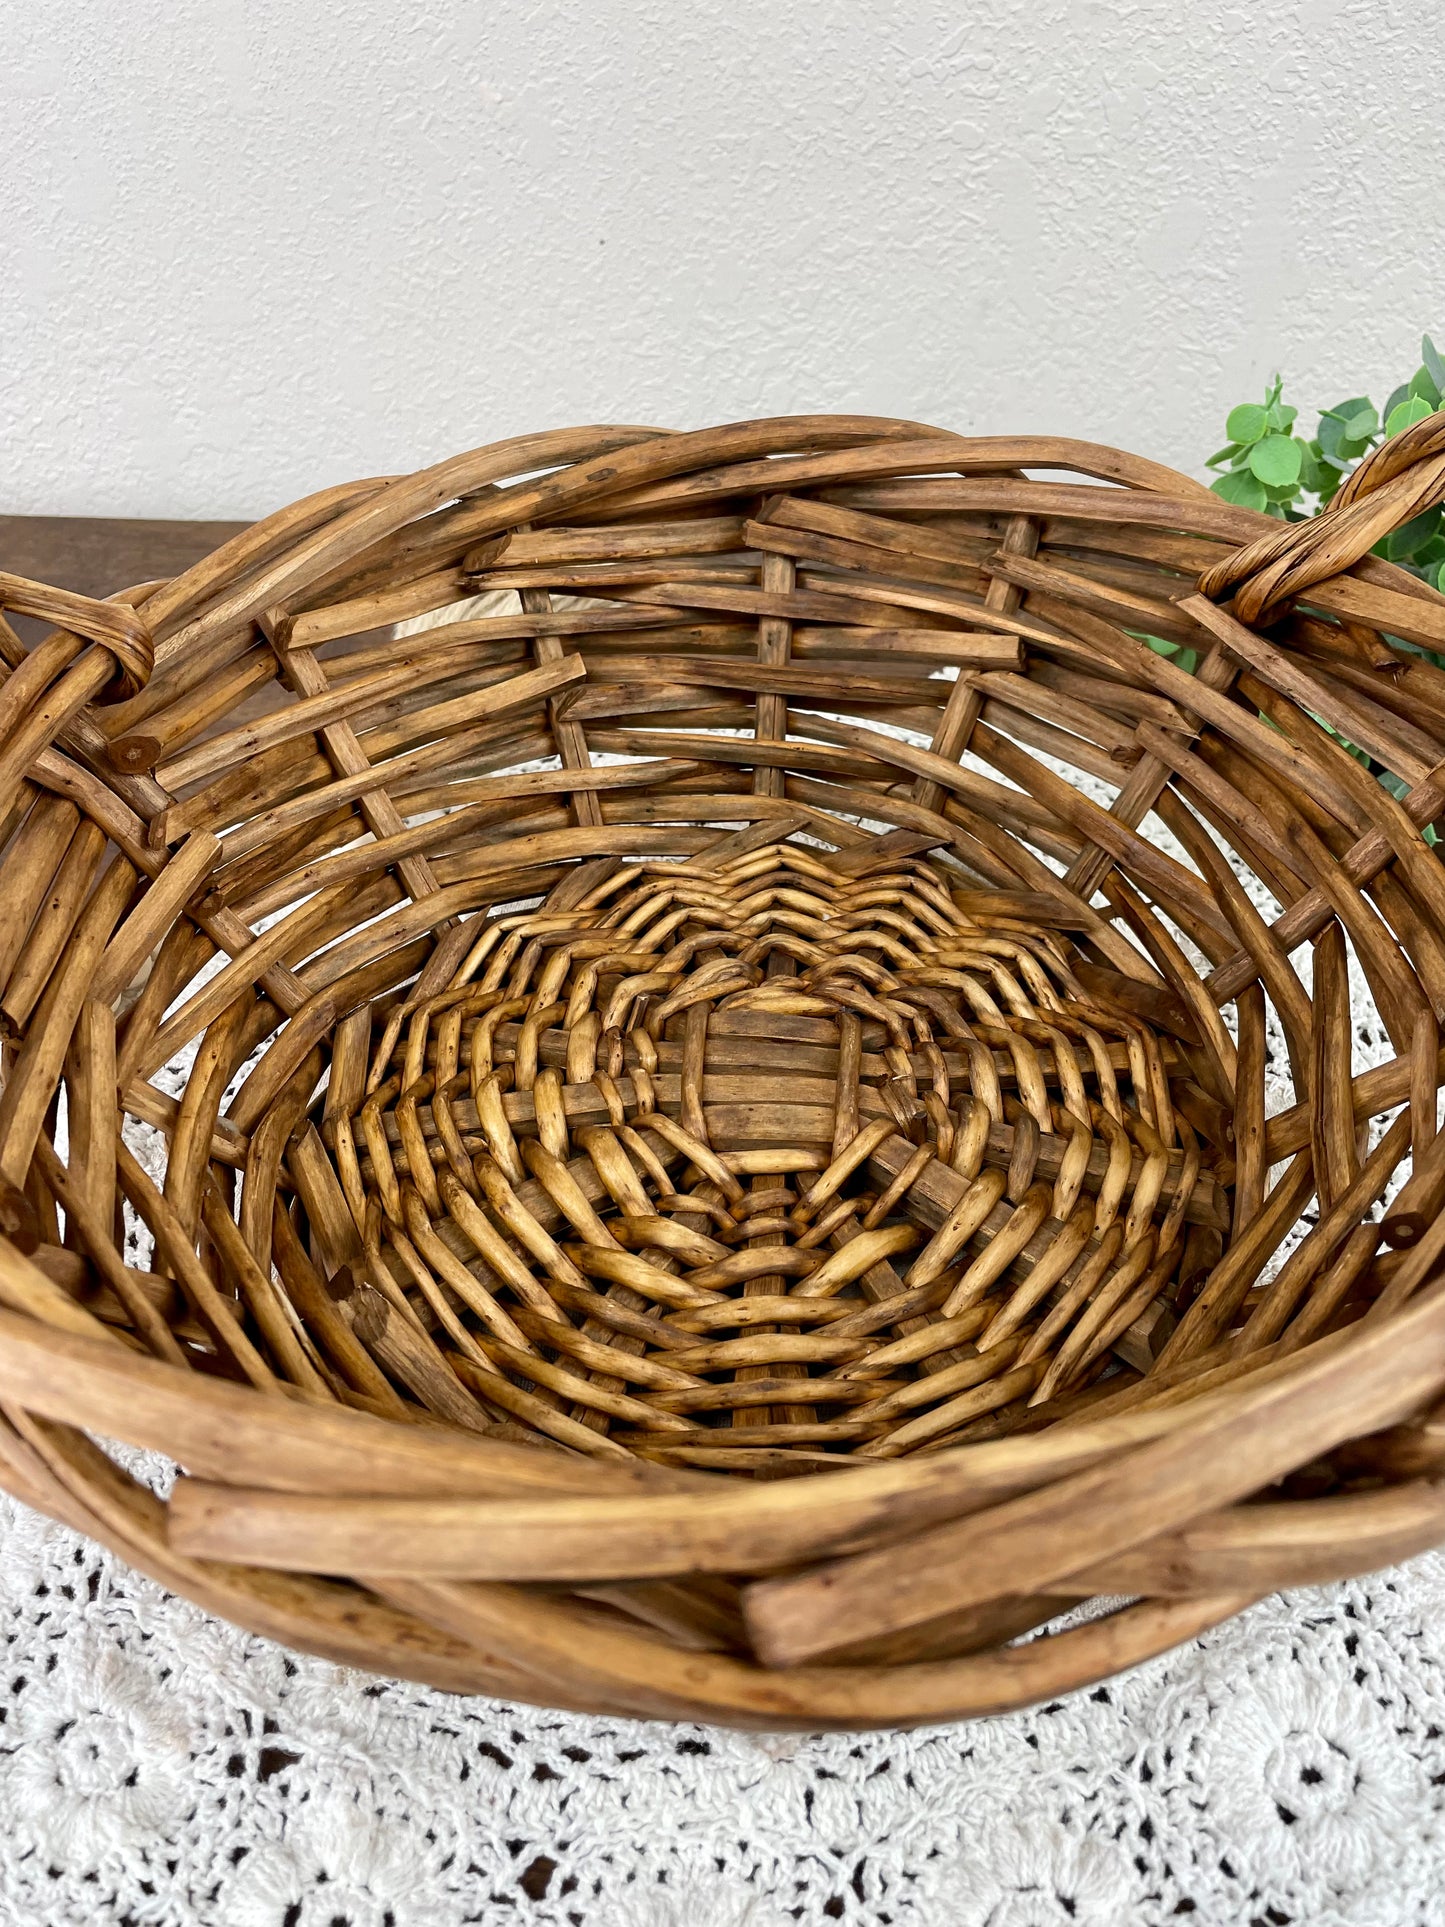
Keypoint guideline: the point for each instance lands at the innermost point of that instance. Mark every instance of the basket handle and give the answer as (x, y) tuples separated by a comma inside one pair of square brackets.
[(1396, 482), (115, 625)]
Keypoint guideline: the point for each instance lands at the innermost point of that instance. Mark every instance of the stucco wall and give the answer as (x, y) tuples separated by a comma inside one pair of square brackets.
[(246, 249)]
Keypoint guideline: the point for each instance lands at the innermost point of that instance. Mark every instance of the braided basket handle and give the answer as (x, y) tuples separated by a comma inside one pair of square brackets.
[(1396, 482), (115, 626)]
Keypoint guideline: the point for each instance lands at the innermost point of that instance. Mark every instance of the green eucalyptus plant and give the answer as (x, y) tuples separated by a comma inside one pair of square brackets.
[(1267, 465)]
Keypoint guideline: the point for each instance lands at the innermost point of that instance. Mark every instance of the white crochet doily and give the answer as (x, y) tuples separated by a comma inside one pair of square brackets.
[(160, 1769)]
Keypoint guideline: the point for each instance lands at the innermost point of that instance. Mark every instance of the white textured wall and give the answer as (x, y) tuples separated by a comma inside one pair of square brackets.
[(246, 249)]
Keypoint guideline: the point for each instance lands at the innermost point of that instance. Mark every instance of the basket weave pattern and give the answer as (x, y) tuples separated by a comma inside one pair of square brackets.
[(714, 1179)]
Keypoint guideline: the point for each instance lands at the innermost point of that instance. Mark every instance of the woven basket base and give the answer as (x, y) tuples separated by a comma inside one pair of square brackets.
[(864, 1137)]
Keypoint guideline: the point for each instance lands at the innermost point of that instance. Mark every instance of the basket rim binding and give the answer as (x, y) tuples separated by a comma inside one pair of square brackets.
[(279, 1490)]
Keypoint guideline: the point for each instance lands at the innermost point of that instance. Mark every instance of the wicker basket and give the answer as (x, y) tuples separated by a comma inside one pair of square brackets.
[(756, 1157)]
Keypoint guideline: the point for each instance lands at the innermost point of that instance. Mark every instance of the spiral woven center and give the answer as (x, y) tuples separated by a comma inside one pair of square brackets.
[(725, 1162)]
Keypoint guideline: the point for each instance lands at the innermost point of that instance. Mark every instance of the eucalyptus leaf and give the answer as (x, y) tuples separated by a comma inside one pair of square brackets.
[(1416, 409), (1315, 475), (1412, 536), (1277, 461), (1330, 486), (1247, 423), (1332, 441), (1241, 488), (1343, 410)]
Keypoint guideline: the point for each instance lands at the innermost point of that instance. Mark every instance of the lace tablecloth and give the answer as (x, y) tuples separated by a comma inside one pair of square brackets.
[(160, 1769)]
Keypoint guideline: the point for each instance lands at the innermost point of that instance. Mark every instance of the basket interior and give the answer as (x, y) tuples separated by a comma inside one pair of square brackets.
[(839, 952)]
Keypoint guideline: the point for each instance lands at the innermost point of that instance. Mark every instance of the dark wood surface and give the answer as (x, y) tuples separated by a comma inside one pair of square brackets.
[(98, 555)]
